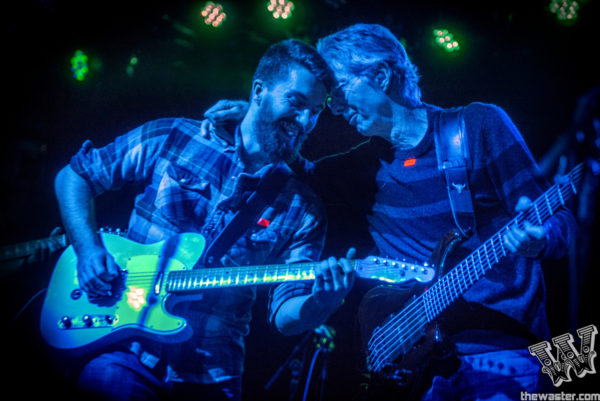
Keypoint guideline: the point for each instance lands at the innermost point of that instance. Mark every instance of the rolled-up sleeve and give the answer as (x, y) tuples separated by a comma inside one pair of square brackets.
[(283, 292), (306, 246)]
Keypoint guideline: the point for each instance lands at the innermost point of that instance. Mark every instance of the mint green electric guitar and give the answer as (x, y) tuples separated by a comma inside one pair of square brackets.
[(157, 276)]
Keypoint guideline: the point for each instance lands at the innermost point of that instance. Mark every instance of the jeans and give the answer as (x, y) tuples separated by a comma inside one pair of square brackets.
[(497, 376), (120, 376)]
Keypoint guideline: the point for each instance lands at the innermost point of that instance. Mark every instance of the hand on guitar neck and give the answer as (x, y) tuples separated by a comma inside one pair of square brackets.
[(334, 278), (530, 241)]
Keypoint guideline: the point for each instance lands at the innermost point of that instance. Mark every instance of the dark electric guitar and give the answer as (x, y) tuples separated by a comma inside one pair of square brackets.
[(400, 329), (23, 249), (155, 277)]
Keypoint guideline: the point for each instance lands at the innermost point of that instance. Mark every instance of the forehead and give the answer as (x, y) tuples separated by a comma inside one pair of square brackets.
[(299, 79), (343, 76)]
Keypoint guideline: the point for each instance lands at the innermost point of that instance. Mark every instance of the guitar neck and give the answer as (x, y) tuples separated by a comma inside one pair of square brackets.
[(458, 280), (23, 249), (184, 281)]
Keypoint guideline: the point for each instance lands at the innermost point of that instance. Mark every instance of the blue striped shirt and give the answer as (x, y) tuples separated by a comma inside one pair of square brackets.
[(195, 184)]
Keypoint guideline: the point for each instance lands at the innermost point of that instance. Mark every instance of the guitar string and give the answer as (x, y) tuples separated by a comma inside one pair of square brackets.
[(547, 196), (411, 311), (439, 291), (249, 275), (440, 297), (555, 195), (207, 277), (258, 271), (234, 276), (486, 254), (417, 323)]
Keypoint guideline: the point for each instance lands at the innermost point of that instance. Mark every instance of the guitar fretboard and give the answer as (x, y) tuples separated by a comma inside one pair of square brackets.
[(473, 267), (198, 279), (400, 332)]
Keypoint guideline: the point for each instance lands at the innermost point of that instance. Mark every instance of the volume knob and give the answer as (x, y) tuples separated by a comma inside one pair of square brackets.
[(65, 322), (88, 321)]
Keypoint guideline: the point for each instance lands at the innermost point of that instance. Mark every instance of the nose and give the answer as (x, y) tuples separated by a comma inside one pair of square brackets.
[(347, 112)]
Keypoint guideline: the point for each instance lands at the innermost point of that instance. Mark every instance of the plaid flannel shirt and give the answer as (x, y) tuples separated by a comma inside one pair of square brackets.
[(195, 184)]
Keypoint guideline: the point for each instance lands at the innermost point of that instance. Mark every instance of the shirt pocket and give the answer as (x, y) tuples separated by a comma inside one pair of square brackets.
[(183, 197), (256, 247)]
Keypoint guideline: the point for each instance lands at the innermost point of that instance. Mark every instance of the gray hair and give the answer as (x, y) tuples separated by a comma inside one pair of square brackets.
[(359, 48)]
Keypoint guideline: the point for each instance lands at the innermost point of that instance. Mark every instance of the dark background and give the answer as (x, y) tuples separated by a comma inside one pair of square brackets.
[(514, 54)]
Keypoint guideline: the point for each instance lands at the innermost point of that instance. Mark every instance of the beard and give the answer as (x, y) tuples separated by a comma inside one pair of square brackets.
[(272, 136)]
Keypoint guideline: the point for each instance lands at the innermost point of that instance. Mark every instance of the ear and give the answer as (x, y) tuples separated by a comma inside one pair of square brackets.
[(258, 87), (383, 75)]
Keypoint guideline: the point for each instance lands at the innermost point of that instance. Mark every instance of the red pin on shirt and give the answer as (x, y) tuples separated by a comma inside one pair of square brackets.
[(410, 162)]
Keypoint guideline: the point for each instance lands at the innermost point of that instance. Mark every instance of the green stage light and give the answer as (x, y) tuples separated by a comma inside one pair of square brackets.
[(281, 8), (445, 40), (133, 61), (565, 10), (213, 14), (79, 65)]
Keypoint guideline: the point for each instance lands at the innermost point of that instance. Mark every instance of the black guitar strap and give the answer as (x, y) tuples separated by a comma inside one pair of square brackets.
[(454, 161), (268, 188)]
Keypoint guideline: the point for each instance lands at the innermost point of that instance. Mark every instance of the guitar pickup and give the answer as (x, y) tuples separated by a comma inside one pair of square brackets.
[(87, 321)]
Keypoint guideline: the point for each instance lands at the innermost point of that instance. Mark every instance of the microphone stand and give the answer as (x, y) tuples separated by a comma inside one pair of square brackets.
[(323, 341), (580, 143), (294, 363)]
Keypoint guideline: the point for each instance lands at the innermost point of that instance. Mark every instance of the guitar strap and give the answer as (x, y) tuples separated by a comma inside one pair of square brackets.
[(268, 188), (454, 161)]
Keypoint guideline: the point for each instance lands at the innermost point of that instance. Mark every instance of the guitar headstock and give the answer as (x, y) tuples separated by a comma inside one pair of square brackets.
[(393, 271)]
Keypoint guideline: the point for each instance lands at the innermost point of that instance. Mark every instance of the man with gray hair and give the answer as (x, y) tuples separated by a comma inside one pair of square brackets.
[(500, 315)]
